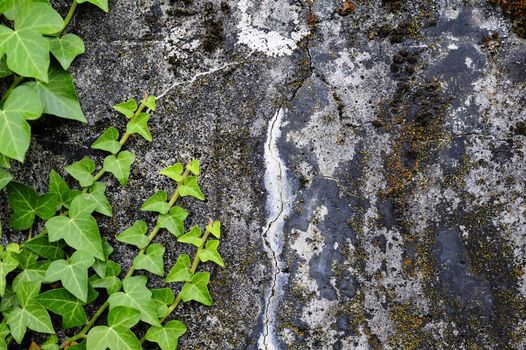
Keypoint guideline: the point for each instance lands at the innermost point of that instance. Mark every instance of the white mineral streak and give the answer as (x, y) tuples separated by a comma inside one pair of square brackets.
[(258, 37), (279, 198)]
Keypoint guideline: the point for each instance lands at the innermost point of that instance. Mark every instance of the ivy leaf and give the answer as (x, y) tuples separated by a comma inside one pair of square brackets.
[(46, 205), (118, 335), (82, 171), (137, 296), (5, 178), (120, 165), (25, 101), (22, 200), (108, 141), (15, 135), (51, 343), (197, 289), (157, 202), (5, 162), (192, 237), (193, 167), (215, 228), (139, 125), (65, 49), (58, 186), (73, 273), (162, 298), (174, 172), (4, 73), (79, 230), (33, 273), (6, 4), (112, 284), (61, 302), (191, 188), (58, 95), (7, 265), (180, 272), (49, 250), (150, 102), (168, 336), (101, 266), (210, 253), (39, 17), (97, 195), (33, 316), (135, 235), (102, 4), (152, 260), (127, 108), (173, 221)]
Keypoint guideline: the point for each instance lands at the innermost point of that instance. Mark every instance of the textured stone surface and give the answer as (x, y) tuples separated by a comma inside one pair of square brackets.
[(367, 160)]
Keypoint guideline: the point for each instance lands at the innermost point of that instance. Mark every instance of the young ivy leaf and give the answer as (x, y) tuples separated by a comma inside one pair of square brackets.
[(61, 302), (191, 188), (210, 253), (102, 4), (51, 343), (137, 296), (58, 95), (192, 237), (58, 186), (150, 102), (167, 336), (116, 336), (127, 108), (120, 165), (49, 250), (197, 289), (139, 125), (73, 273), (152, 260), (82, 171), (157, 202), (174, 172), (7, 265), (162, 298), (194, 167), (173, 221), (108, 141), (65, 49), (215, 228), (97, 195), (180, 272), (135, 235), (79, 229)]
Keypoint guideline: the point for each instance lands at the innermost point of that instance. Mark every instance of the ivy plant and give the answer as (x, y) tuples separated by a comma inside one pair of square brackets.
[(62, 269)]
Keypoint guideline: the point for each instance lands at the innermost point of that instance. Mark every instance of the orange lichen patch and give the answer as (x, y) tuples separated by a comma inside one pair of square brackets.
[(347, 8), (515, 10)]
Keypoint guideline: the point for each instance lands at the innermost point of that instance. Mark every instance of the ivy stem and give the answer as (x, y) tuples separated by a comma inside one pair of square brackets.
[(179, 297), (122, 141), (16, 81), (106, 304), (69, 16)]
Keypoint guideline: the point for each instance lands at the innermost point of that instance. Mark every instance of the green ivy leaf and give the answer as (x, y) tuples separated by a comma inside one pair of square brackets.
[(33, 316), (197, 289), (118, 335), (46, 205), (7, 265), (127, 108), (137, 296), (15, 135), (173, 221), (168, 336), (215, 228), (102, 4), (82, 171), (58, 95), (6, 4), (61, 302), (32, 273), (139, 125), (152, 260), (157, 203), (101, 266), (180, 272), (191, 188), (39, 17), (193, 167), (210, 253), (5, 178), (58, 186), (51, 343), (22, 200), (120, 165), (135, 235), (174, 172), (97, 195), (49, 250), (150, 102), (163, 297), (24, 100), (73, 273), (79, 230), (65, 49), (108, 141), (192, 237), (5, 162), (4, 71), (112, 284)]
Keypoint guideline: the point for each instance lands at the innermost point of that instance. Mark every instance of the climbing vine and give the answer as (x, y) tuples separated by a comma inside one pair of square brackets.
[(68, 265)]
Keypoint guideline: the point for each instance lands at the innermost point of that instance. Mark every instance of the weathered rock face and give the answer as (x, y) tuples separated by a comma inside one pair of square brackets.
[(367, 160)]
